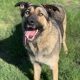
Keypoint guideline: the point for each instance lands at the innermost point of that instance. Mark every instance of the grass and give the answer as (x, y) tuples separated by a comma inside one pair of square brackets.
[(14, 63)]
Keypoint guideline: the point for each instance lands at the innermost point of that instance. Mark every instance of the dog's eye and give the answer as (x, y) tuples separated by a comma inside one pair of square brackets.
[(27, 12), (40, 14)]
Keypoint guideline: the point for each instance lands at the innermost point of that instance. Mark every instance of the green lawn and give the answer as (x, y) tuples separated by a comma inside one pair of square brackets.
[(14, 62)]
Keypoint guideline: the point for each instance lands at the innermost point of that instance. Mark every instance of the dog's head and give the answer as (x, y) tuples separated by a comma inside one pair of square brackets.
[(36, 19)]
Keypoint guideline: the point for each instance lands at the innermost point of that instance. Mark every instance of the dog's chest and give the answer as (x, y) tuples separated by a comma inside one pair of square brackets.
[(44, 55), (37, 48), (38, 52), (44, 52)]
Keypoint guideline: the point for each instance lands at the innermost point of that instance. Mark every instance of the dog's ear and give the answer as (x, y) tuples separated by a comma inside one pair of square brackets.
[(55, 12), (51, 9), (23, 6)]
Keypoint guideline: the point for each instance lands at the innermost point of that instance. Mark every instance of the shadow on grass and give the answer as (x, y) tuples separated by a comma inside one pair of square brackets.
[(13, 52)]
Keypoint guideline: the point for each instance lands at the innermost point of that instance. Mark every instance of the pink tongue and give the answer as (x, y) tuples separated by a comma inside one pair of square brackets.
[(30, 35)]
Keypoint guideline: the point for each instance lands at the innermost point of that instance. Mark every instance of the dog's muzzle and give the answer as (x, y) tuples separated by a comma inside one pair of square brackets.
[(32, 28)]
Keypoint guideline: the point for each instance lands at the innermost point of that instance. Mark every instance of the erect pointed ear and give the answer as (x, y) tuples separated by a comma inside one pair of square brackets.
[(23, 6)]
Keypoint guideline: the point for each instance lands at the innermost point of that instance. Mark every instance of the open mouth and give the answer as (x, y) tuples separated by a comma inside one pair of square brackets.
[(30, 34)]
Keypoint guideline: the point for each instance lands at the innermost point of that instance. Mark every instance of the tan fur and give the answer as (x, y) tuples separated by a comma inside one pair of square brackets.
[(45, 44), (45, 49)]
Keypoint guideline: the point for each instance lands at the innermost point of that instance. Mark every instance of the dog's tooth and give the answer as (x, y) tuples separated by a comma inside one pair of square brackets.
[(36, 31)]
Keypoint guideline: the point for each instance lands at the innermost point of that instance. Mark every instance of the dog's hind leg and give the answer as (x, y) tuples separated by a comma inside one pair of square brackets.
[(64, 36), (37, 71)]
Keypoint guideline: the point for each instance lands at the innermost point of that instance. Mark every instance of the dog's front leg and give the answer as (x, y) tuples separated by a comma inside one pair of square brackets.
[(37, 71), (55, 71)]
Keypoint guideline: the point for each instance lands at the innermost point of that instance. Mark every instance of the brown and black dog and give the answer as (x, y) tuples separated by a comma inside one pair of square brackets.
[(44, 29)]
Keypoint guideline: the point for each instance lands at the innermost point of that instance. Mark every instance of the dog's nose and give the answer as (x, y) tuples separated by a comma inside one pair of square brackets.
[(31, 21)]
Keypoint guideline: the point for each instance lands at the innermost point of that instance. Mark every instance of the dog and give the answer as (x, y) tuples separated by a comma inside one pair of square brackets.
[(44, 31)]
